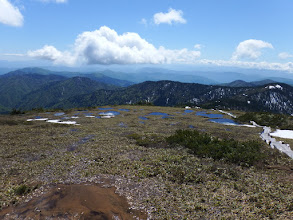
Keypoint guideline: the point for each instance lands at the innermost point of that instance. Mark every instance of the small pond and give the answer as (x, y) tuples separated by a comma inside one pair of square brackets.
[(65, 118), (188, 111), (143, 118), (112, 112), (224, 121), (205, 114), (164, 115), (59, 114), (122, 125)]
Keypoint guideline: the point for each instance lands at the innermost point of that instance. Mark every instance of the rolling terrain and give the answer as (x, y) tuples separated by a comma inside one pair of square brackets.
[(25, 90), (72, 170)]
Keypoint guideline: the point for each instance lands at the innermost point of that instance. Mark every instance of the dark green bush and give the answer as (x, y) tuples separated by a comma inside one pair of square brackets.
[(147, 141), (241, 153), (144, 103), (22, 190), (16, 112), (268, 119)]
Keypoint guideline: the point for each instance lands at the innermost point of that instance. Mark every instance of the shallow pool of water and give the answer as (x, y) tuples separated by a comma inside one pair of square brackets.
[(205, 114), (112, 112), (59, 114), (164, 115), (188, 111), (143, 118), (122, 125), (224, 121), (158, 113)]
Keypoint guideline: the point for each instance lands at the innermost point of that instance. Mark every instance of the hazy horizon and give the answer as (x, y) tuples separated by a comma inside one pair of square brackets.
[(190, 35)]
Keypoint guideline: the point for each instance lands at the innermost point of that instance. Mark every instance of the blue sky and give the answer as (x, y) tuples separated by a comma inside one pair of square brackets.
[(236, 33)]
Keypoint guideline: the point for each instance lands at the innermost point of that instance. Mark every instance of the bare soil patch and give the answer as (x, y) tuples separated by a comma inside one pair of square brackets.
[(75, 202)]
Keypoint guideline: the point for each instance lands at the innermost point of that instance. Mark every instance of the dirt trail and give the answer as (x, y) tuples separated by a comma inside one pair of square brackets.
[(75, 202)]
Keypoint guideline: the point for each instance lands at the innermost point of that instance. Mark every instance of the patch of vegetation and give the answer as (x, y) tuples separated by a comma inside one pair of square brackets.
[(16, 112), (144, 103), (241, 153), (10, 122), (268, 119), (22, 190), (152, 140)]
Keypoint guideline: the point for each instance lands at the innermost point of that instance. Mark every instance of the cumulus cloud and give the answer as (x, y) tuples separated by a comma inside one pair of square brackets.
[(250, 49), (171, 17), (285, 55), (106, 46), (9, 14)]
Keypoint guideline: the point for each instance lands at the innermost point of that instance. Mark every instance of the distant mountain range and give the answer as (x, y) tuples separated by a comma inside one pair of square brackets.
[(34, 88), (274, 97), (242, 83)]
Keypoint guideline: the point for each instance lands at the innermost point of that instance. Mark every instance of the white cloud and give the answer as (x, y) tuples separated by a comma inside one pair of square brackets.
[(250, 65), (172, 16), (250, 49), (197, 46), (105, 46), (9, 14), (285, 55)]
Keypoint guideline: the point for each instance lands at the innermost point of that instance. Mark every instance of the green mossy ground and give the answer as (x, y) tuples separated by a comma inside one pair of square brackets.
[(169, 181)]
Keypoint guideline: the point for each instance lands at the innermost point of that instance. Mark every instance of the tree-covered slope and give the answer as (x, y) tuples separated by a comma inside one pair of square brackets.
[(57, 92), (15, 85), (273, 97)]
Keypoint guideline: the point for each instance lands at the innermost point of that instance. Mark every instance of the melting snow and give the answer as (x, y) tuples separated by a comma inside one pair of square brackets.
[(274, 87), (285, 148), (38, 119), (227, 113), (63, 122), (283, 134)]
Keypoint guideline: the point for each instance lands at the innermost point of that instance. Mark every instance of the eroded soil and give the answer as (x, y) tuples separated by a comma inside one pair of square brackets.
[(77, 201)]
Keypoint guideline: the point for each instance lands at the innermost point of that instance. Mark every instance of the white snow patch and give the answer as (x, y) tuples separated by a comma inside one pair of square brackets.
[(227, 113), (187, 107), (283, 134), (279, 87), (63, 122), (274, 87), (248, 102), (38, 119), (107, 116)]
